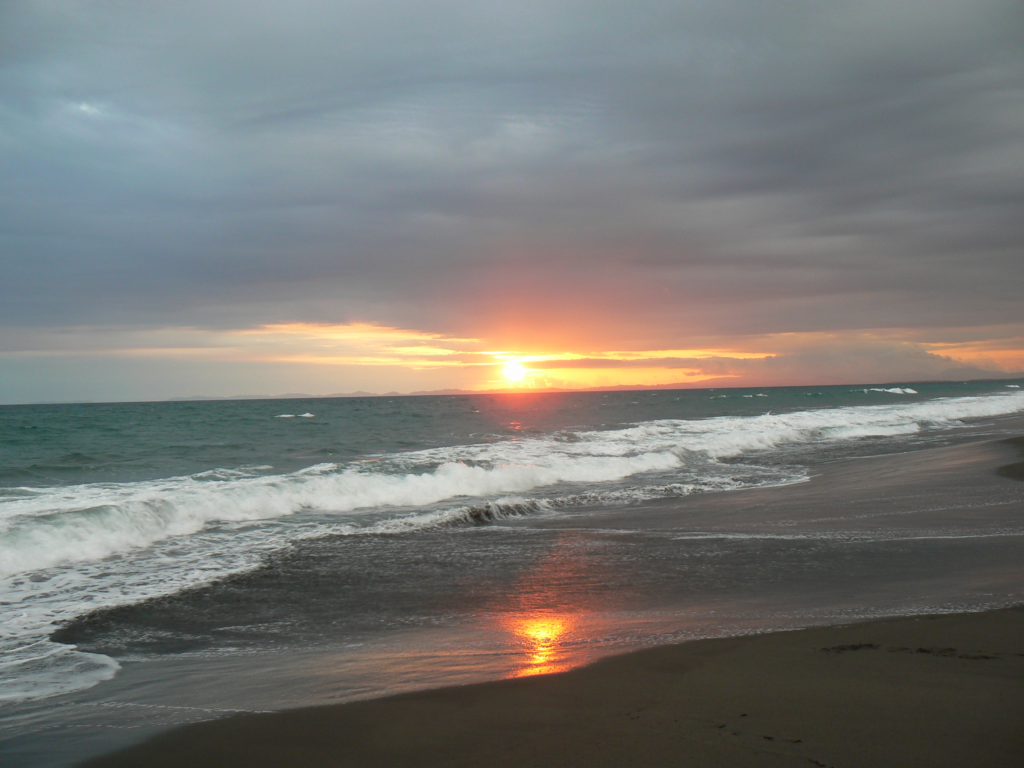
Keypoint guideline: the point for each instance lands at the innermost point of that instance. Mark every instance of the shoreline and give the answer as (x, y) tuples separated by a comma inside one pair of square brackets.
[(930, 530), (928, 690), (934, 690)]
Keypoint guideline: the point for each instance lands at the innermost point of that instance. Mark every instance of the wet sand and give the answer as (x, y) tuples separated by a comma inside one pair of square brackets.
[(920, 691), (925, 691)]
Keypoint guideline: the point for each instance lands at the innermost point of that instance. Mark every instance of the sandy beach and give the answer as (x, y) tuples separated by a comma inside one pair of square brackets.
[(917, 691), (926, 691)]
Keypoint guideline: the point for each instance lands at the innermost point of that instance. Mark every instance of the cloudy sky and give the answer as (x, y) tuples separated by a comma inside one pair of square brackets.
[(244, 197)]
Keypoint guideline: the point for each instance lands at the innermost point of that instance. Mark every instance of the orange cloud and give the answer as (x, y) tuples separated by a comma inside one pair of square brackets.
[(396, 357)]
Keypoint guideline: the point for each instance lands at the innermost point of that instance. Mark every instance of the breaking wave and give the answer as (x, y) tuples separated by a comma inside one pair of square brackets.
[(43, 528)]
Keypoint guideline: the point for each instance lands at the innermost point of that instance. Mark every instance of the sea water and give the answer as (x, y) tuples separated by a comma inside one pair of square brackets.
[(138, 532)]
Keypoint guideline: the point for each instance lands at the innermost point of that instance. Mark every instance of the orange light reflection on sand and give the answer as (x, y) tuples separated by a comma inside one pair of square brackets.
[(540, 635)]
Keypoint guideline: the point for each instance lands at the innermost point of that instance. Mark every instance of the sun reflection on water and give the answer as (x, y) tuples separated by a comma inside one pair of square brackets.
[(541, 636), (547, 620)]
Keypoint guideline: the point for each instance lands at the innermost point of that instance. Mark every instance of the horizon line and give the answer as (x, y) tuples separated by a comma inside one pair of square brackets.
[(455, 392)]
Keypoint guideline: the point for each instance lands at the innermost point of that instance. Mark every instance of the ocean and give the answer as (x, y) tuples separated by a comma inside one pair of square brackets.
[(171, 561)]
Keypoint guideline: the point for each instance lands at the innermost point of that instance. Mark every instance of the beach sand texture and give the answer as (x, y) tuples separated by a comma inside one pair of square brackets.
[(918, 691)]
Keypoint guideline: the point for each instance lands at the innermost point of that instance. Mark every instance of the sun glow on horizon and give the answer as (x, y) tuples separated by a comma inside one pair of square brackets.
[(331, 358), (514, 372)]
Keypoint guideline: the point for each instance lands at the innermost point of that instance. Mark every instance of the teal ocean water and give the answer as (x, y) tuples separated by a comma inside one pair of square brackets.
[(141, 531)]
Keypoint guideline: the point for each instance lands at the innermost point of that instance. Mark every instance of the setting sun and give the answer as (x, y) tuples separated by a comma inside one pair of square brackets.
[(514, 372)]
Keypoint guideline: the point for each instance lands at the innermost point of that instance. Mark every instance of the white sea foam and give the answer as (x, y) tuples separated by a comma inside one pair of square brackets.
[(94, 521), (71, 549)]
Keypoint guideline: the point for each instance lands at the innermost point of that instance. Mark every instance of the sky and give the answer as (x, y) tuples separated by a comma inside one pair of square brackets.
[(235, 198)]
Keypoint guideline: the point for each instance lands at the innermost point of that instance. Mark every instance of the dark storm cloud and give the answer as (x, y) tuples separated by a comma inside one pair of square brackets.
[(706, 167)]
